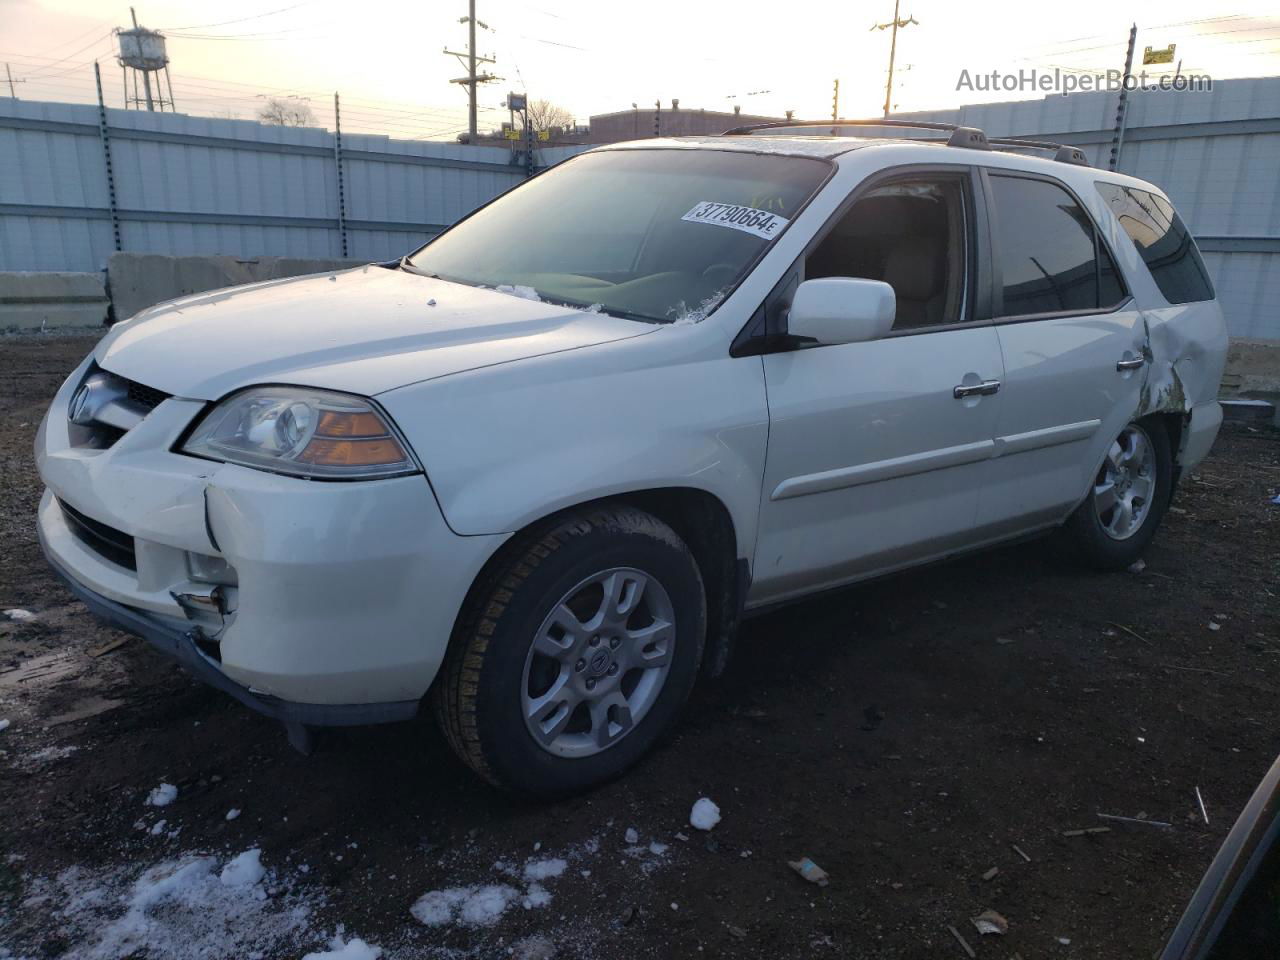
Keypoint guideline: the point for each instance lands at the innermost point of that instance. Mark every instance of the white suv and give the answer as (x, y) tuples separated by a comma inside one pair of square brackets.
[(541, 467)]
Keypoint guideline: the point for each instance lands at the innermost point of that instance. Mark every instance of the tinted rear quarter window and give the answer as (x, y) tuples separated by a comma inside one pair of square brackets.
[(1051, 257), (1162, 240)]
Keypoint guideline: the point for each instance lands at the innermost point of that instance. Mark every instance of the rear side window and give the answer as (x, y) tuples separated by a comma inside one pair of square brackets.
[(1163, 241), (1051, 257)]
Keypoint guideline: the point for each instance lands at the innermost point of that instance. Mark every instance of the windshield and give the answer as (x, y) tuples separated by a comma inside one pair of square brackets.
[(660, 235)]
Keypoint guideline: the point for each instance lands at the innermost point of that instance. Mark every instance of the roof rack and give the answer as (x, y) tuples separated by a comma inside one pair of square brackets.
[(958, 136), (1062, 152)]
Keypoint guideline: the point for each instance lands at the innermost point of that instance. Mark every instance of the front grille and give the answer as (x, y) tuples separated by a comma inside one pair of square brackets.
[(106, 406), (108, 542), (145, 396)]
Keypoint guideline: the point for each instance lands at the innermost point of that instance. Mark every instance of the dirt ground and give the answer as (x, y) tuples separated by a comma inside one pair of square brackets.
[(907, 735)]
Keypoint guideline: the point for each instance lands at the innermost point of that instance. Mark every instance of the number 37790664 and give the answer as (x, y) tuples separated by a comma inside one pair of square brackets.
[(759, 223)]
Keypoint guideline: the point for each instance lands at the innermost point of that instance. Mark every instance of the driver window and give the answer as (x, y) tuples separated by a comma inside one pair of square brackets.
[(911, 235)]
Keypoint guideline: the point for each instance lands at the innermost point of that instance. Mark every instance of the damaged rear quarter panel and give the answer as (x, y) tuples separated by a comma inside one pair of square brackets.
[(1186, 354)]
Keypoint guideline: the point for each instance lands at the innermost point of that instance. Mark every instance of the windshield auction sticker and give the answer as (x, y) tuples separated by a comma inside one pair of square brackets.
[(759, 223)]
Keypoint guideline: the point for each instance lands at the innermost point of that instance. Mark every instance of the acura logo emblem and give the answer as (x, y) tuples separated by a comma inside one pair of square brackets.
[(88, 399), (79, 405)]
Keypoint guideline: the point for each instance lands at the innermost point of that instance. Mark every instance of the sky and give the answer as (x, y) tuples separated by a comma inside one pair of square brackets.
[(387, 58)]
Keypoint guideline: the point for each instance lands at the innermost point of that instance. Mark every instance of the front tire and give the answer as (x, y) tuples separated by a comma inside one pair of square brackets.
[(575, 652), (1128, 498)]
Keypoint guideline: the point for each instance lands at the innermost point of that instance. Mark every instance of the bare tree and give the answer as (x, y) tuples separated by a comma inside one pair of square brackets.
[(286, 112), (543, 115)]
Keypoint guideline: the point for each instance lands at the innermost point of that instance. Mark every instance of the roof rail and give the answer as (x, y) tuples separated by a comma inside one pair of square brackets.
[(970, 137), (1063, 153), (959, 136)]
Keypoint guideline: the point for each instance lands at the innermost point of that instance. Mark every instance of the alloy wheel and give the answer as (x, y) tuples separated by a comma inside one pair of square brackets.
[(1126, 484), (598, 662)]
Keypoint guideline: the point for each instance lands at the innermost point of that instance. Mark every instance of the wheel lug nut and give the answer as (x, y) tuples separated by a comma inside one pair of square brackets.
[(591, 684), (613, 670), (595, 641), (580, 665), (614, 643)]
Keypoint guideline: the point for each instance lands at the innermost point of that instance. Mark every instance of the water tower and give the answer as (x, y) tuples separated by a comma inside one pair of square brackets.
[(142, 53)]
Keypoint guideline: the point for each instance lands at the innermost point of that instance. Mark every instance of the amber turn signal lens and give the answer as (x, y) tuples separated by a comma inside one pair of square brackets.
[(334, 423), (352, 453)]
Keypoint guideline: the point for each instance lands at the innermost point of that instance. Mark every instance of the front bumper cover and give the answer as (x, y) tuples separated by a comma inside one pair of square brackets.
[(181, 646)]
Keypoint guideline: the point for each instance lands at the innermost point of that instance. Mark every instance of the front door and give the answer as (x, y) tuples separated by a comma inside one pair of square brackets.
[(876, 449)]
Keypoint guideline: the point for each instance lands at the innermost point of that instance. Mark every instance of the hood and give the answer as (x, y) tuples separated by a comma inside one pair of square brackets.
[(364, 331)]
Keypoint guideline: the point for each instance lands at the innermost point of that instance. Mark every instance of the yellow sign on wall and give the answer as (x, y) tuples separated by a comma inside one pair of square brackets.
[(1165, 55)]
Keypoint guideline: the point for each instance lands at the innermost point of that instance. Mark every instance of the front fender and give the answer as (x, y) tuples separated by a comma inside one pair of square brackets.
[(505, 446)]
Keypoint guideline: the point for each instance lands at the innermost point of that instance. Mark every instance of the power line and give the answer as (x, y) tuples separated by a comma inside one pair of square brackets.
[(223, 23), (105, 37), (77, 38)]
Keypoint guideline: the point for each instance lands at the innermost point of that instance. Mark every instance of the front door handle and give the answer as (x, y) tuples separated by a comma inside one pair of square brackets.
[(984, 389), (1133, 364)]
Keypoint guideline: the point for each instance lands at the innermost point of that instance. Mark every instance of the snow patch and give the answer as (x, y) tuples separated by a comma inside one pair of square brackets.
[(21, 616), (481, 905), (244, 871), (471, 906), (536, 896), (233, 813), (704, 814), (176, 908), (4, 725), (354, 949), (49, 754), (516, 290), (162, 795), (544, 869), (684, 315)]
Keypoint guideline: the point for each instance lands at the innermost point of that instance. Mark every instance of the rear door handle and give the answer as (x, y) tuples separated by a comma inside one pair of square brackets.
[(1133, 364), (984, 389)]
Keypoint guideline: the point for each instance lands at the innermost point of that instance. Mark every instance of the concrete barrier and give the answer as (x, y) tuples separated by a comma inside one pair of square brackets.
[(1253, 368), (140, 280), (40, 301)]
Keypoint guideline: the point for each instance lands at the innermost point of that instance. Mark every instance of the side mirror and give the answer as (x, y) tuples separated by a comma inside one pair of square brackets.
[(835, 310)]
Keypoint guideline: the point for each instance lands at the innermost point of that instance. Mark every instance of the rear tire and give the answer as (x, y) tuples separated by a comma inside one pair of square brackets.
[(1118, 519), (575, 652)]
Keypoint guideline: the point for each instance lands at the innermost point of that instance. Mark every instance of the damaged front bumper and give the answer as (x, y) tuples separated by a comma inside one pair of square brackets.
[(318, 603), (183, 645)]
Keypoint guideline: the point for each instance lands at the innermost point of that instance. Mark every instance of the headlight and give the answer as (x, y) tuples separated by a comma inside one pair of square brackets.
[(308, 433)]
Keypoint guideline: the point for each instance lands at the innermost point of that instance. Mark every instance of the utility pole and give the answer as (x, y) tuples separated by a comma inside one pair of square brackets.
[(470, 60), (835, 102), (895, 24), (1122, 106), (471, 70), (9, 74)]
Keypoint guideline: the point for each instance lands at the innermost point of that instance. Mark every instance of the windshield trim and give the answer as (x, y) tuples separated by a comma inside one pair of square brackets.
[(748, 269)]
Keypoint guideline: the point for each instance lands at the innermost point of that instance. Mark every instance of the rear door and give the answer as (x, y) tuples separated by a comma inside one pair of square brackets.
[(1072, 340), (876, 449)]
